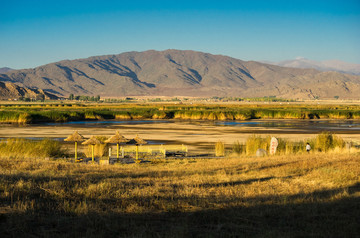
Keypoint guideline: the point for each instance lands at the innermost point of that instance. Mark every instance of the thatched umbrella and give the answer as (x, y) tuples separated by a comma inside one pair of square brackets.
[(92, 141), (137, 141), (117, 139), (75, 137)]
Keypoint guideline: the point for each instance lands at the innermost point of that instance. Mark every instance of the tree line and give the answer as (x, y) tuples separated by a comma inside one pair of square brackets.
[(84, 98)]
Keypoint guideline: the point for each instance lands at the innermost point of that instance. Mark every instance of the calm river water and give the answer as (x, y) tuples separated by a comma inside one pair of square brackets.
[(309, 126)]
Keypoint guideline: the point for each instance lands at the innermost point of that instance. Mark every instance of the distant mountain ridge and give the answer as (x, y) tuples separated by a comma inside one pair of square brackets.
[(328, 65), (182, 73), (5, 69)]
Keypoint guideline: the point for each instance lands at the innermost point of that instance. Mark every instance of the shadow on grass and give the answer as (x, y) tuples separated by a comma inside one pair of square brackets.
[(264, 217)]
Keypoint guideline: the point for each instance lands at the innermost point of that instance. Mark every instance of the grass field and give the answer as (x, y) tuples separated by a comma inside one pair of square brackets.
[(315, 195)]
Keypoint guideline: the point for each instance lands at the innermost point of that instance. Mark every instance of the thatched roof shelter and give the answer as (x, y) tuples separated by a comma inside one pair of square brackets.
[(137, 141), (117, 139), (91, 141), (75, 137)]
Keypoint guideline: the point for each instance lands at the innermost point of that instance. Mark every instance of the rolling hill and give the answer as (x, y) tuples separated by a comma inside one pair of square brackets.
[(182, 73), (13, 91)]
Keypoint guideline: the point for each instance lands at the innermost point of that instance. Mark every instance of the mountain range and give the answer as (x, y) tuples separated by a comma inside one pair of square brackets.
[(182, 73), (327, 65), (5, 70)]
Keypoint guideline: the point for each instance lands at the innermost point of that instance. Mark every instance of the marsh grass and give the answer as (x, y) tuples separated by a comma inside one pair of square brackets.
[(327, 141), (15, 117), (29, 113), (323, 142), (238, 148), (24, 148), (278, 196)]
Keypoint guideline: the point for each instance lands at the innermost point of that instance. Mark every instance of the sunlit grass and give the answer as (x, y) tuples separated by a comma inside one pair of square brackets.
[(215, 197), (68, 112), (24, 148)]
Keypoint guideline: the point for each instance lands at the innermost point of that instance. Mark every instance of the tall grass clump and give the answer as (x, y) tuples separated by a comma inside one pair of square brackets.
[(238, 148), (294, 147), (327, 141), (18, 117), (285, 147), (219, 148), (24, 148), (256, 142)]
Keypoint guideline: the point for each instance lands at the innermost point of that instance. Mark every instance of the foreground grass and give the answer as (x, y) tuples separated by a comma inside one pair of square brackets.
[(298, 196)]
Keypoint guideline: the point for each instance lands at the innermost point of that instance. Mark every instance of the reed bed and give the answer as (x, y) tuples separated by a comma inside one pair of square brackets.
[(282, 196), (64, 112)]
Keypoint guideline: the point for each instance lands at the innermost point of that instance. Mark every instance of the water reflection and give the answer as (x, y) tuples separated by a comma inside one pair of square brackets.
[(107, 122)]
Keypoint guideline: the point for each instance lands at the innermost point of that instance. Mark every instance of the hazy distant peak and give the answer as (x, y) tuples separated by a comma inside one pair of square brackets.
[(327, 65), (5, 69)]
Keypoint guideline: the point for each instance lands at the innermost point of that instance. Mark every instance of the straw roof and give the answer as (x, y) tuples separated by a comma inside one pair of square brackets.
[(117, 138), (137, 141), (75, 137), (91, 141)]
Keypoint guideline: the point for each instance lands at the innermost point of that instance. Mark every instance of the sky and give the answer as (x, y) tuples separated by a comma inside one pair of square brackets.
[(37, 32)]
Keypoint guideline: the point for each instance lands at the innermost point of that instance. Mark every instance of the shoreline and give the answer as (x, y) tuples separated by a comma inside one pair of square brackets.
[(200, 136)]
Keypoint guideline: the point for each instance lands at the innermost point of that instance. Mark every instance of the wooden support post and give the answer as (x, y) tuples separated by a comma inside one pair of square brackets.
[(117, 152), (92, 153), (137, 153), (75, 151)]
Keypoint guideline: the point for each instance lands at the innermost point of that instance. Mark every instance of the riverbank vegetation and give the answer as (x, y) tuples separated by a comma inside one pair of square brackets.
[(46, 148), (26, 148), (39, 113), (323, 142), (282, 196)]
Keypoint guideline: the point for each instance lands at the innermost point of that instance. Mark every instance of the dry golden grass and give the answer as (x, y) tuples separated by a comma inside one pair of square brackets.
[(298, 196)]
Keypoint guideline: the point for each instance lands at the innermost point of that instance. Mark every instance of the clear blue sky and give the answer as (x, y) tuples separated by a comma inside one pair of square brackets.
[(37, 32)]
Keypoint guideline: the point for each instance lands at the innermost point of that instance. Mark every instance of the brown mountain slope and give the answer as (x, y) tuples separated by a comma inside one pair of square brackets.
[(13, 91), (182, 73)]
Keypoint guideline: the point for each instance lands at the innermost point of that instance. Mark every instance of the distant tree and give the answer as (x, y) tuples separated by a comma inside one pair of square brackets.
[(336, 97), (40, 97), (71, 97)]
